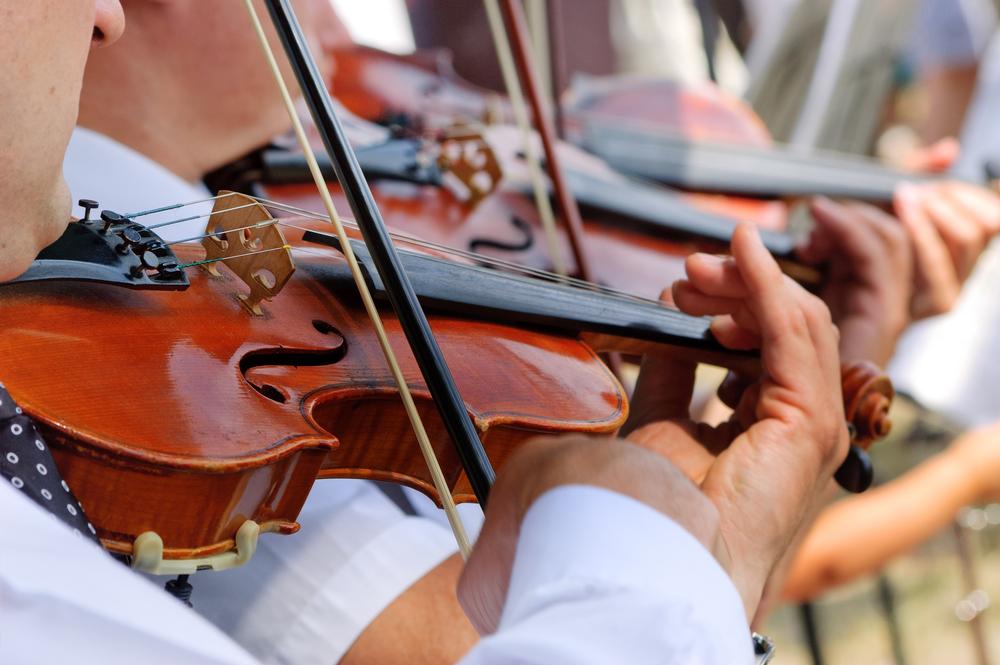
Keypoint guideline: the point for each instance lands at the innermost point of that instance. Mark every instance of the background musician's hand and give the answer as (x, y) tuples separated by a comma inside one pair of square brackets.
[(787, 434), (949, 224), (934, 158), (870, 275)]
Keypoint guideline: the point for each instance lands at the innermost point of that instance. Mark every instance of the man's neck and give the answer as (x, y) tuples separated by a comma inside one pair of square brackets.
[(169, 122)]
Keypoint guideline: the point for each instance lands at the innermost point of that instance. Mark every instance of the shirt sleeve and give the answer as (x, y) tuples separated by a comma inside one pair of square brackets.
[(316, 591), (64, 600), (953, 34), (601, 578)]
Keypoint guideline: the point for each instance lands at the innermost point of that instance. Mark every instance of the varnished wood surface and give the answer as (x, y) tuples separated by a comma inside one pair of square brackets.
[(380, 86), (149, 399)]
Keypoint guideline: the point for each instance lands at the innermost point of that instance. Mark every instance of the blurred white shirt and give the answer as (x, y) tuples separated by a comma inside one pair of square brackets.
[(598, 578), (950, 362)]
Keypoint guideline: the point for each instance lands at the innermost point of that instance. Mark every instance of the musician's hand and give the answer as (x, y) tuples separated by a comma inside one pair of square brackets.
[(869, 280), (934, 158), (765, 467), (949, 224), (544, 464)]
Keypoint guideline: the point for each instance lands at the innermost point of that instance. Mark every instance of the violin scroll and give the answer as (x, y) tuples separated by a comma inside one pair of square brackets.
[(868, 395)]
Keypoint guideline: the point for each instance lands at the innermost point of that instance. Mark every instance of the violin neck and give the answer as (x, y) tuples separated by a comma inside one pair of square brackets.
[(617, 321), (396, 159), (646, 208), (764, 172), (657, 211)]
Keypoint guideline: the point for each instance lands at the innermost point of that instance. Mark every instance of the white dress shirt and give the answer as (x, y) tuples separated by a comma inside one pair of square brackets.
[(597, 578), (601, 578), (313, 592)]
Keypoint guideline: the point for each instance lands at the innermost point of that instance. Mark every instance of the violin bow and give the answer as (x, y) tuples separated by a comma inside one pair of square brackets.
[(519, 62), (399, 290), (557, 60)]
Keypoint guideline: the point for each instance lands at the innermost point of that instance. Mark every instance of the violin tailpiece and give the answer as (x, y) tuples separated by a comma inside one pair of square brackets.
[(465, 158), (243, 235), (147, 552)]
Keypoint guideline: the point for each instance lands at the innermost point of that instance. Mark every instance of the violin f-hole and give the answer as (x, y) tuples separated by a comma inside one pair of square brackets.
[(525, 243), (262, 364)]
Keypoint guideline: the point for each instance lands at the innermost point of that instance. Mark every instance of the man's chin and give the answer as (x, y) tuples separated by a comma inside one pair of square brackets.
[(11, 268)]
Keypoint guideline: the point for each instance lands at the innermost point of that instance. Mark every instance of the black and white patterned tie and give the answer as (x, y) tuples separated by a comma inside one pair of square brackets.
[(27, 464)]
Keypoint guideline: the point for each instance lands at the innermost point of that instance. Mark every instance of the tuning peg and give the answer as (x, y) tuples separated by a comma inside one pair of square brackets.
[(856, 472), (110, 219), (88, 206)]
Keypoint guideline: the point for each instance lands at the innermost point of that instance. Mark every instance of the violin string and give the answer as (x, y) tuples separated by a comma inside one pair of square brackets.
[(481, 259), (175, 206), (528, 272), (416, 422), (216, 234), (472, 256), (201, 216), (194, 264), (535, 273)]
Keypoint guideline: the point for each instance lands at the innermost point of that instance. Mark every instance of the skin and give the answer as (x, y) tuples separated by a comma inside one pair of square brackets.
[(45, 47), (948, 225), (780, 449), (169, 105), (948, 91), (879, 268), (860, 534)]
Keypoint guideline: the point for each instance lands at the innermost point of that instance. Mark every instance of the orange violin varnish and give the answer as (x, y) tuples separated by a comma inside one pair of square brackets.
[(183, 414)]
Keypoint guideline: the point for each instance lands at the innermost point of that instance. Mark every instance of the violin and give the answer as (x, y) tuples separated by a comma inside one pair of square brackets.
[(421, 93), (191, 394), (692, 136), (638, 234)]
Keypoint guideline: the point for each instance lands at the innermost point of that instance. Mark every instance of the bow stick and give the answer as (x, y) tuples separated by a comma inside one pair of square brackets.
[(402, 297)]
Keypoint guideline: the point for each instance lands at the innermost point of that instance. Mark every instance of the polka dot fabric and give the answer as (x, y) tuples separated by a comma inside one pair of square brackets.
[(27, 464)]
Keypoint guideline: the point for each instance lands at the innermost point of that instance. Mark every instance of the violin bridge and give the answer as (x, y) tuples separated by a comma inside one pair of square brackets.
[(466, 156), (243, 235)]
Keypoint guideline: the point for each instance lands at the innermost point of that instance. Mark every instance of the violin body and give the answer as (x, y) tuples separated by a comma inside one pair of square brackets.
[(207, 408), (423, 93), (196, 416)]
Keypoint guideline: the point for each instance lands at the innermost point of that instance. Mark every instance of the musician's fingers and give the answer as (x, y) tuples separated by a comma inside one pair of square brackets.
[(715, 276), (961, 232), (691, 301), (663, 391), (855, 232), (981, 204), (795, 327), (937, 282), (935, 158), (734, 336)]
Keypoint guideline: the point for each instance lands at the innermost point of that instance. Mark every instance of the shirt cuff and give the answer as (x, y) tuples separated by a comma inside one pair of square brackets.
[(577, 538)]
